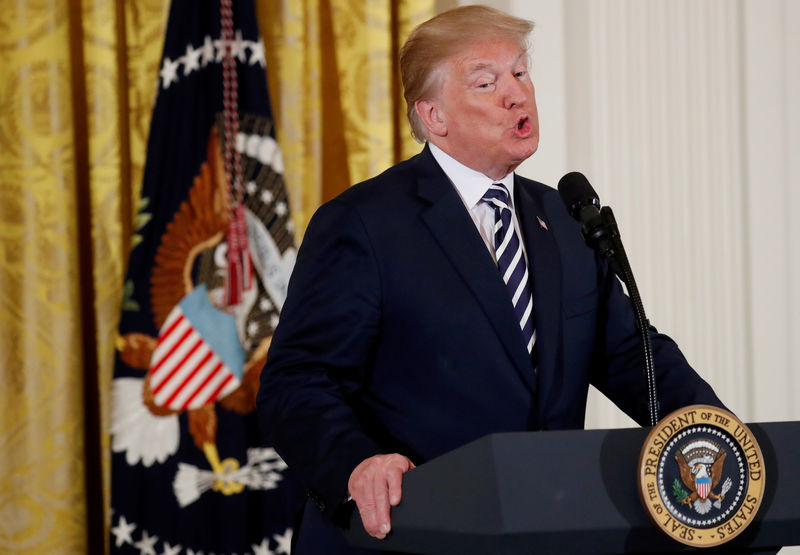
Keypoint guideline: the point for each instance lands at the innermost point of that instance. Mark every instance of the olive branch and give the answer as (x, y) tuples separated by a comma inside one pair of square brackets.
[(678, 491)]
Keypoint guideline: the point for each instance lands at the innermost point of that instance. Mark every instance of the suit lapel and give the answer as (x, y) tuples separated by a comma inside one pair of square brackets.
[(545, 266), (453, 229)]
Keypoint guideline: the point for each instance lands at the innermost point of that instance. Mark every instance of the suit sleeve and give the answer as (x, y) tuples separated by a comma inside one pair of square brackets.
[(620, 375), (321, 355)]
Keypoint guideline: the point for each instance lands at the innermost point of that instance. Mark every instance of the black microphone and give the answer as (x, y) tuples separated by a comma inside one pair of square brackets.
[(602, 234), (578, 194), (599, 226)]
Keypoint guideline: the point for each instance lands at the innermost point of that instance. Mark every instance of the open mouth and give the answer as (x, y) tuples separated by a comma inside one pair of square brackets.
[(523, 126)]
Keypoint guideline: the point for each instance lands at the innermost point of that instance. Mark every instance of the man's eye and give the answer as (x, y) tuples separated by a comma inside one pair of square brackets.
[(484, 85), (519, 74)]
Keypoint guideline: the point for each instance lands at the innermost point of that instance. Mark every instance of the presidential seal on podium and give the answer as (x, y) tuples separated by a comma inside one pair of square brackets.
[(701, 476)]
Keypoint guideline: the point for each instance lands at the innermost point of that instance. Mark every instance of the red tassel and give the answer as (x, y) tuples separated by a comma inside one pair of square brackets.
[(240, 268)]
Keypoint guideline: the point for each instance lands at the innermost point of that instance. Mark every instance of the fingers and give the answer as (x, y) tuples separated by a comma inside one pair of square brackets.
[(381, 495), (375, 486), (394, 480)]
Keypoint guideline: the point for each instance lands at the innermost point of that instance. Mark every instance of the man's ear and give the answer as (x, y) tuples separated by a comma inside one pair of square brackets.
[(431, 116)]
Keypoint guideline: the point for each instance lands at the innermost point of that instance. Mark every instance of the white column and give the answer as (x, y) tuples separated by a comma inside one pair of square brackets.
[(655, 124), (772, 92)]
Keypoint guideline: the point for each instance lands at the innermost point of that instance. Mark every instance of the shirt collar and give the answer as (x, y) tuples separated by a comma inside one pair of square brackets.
[(470, 184)]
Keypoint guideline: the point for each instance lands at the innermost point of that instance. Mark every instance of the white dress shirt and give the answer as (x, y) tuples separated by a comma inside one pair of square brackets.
[(471, 186)]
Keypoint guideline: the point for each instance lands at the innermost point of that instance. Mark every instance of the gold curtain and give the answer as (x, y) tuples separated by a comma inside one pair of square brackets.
[(338, 104), (75, 104)]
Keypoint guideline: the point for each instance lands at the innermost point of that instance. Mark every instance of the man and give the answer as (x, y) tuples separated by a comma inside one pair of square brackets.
[(448, 298)]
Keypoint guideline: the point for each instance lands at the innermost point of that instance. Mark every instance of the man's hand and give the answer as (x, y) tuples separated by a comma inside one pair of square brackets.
[(374, 485)]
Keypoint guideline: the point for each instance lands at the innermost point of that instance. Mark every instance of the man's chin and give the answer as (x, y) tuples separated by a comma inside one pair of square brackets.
[(526, 150)]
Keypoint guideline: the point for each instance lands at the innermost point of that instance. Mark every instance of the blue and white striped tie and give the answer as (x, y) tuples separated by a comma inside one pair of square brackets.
[(511, 261)]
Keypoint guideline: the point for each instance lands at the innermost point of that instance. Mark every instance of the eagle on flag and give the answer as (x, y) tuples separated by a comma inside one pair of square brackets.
[(185, 370)]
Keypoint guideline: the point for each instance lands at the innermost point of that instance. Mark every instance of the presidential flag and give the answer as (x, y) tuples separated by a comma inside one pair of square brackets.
[(211, 255)]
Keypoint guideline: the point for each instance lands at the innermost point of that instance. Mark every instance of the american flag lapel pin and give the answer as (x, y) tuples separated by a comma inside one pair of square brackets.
[(542, 224)]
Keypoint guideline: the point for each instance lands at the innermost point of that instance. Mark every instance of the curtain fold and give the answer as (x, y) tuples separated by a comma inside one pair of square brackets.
[(75, 105), (41, 423)]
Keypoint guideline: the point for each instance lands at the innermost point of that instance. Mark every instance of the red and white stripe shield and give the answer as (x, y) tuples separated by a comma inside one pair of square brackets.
[(703, 487), (186, 372)]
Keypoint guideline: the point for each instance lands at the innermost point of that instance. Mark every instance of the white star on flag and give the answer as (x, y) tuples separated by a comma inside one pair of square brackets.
[(237, 48), (122, 532), (257, 54), (169, 550), (191, 60), (169, 72), (208, 51), (284, 541), (221, 46), (147, 544), (262, 548)]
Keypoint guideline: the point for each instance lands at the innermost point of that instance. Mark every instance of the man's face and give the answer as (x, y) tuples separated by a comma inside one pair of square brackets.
[(488, 108)]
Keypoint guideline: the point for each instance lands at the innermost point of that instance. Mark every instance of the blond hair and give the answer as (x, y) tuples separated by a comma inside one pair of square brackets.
[(440, 38)]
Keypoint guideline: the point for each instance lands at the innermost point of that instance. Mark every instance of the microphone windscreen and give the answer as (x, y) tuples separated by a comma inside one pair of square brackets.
[(576, 192)]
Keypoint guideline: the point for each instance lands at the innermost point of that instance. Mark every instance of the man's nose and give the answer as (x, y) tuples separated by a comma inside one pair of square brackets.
[(514, 93)]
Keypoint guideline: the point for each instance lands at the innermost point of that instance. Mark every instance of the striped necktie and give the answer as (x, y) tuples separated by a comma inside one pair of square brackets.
[(511, 261)]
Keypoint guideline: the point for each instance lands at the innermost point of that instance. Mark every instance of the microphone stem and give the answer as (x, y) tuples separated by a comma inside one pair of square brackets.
[(623, 269)]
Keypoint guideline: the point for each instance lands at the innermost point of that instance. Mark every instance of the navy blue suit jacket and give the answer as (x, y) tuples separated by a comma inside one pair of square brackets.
[(398, 334)]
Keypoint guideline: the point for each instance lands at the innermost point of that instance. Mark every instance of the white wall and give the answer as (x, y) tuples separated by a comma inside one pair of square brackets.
[(771, 85), (684, 116)]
